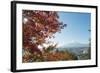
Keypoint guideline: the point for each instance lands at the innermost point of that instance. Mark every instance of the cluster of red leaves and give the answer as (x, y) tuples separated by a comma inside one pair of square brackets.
[(39, 25)]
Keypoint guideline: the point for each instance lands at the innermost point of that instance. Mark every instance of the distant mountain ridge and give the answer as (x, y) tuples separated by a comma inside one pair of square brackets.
[(79, 49), (76, 48)]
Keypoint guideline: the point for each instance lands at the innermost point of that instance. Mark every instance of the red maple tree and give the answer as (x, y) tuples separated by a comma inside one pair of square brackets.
[(37, 26)]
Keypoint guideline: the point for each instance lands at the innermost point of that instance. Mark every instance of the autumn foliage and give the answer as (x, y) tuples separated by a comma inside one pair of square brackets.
[(38, 26)]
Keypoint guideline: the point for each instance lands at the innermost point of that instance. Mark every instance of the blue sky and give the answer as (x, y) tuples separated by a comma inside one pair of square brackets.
[(76, 30)]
